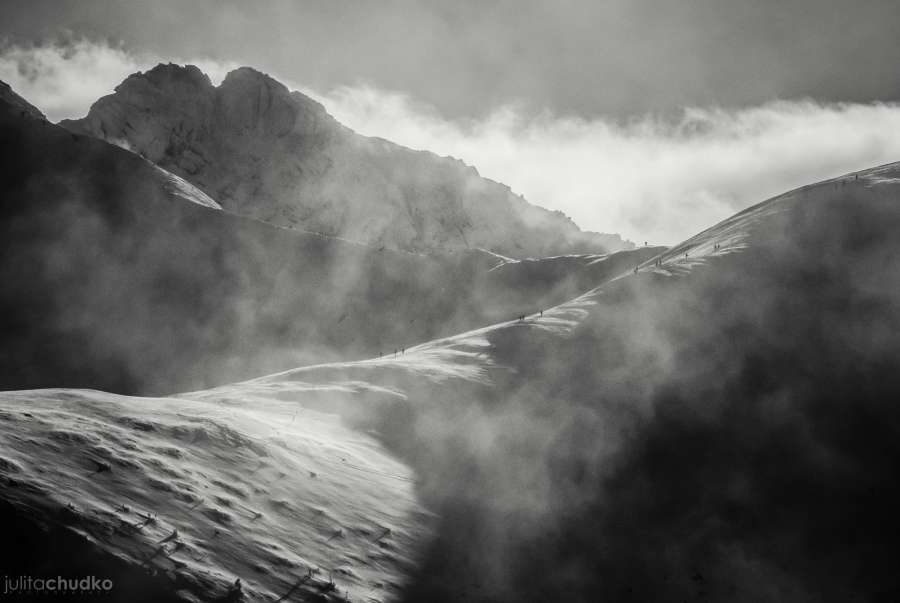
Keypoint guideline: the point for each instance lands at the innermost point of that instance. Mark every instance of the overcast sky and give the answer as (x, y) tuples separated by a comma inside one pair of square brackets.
[(651, 118)]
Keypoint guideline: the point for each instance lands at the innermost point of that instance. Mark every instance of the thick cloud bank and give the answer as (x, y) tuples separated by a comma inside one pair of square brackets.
[(64, 79), (650, 179)]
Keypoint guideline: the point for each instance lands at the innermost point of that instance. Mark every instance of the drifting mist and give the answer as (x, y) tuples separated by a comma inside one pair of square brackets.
[(658, 179)]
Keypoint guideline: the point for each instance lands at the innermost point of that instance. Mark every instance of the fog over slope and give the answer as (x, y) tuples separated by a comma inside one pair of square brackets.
[(718, 425), (265, 152)]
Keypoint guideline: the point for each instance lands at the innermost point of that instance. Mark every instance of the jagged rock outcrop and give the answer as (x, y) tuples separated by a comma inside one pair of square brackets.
[(265, 152)]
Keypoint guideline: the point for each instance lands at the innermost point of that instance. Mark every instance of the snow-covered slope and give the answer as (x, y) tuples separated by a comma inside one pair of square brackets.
[(266, 481), (187, 191), (265, 152), (468, 355), (715, 423), (285, 498)]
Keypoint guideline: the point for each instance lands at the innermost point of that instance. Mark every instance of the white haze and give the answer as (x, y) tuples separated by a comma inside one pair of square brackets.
[(654, 179), (63, 80)]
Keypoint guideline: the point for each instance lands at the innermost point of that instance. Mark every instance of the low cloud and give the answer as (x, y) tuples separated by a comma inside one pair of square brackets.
[(654, 179), (65, 78), (649, 179)]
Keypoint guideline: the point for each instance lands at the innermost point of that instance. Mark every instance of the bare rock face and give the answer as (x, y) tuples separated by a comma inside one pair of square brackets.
[(265, 152)]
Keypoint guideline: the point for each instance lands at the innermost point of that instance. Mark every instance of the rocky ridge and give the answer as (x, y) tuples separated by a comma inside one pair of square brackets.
[(263, 151)]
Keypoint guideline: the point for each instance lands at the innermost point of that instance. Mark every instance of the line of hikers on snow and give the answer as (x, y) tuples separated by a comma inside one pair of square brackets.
[(658, 261)]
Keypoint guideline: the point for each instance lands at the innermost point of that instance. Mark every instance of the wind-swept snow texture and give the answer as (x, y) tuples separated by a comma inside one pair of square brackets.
[(285, 498)]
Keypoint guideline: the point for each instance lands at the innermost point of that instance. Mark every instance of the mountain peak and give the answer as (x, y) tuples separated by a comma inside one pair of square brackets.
[(265, 152), (248, 76), (247, 81), (166, 75)]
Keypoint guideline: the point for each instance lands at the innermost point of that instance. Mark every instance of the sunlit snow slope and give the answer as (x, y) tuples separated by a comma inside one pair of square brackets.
[(265, 492)]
